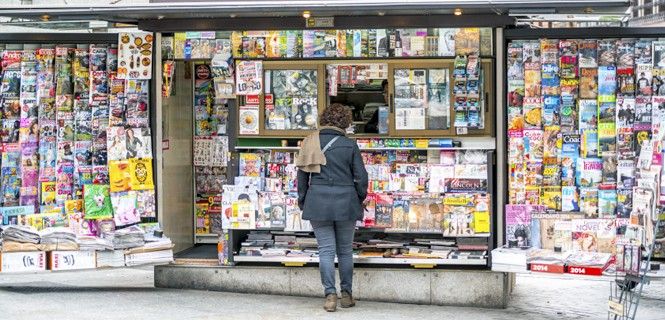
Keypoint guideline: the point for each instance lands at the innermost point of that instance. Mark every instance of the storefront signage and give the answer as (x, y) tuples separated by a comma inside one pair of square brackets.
[(321, 22)]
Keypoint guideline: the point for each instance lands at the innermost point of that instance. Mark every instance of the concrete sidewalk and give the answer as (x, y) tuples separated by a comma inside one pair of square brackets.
[(129, 293)]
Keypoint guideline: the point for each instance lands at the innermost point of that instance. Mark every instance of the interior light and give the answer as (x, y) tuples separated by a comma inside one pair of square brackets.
[(306, 14), (458, 12), (381, 13), (46, 17)]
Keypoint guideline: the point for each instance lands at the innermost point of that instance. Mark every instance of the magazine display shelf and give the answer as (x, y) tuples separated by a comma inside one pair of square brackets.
[(237, 236)]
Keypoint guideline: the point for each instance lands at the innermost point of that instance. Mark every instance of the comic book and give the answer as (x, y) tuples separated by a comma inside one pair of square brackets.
[(588, 83), (626, 81), (588, 54), (570, 201), (643, 74), (589, 172), (607, 52)]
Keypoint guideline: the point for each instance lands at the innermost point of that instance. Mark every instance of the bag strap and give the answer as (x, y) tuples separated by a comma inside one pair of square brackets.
[(329, 144)]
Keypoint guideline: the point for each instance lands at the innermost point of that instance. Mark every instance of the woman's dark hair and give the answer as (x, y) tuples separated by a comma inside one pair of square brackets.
[(336, 115)]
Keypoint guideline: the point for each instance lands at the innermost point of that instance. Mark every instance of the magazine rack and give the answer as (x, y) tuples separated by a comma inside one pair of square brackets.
[(626, 289), (237, 236)]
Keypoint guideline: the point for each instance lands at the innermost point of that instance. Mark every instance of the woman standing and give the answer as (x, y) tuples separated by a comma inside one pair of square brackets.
[(332, 185)]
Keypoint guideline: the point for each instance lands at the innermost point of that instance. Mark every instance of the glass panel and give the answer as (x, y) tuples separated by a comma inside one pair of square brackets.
[(363, 88), (422, 99), (294, 100)]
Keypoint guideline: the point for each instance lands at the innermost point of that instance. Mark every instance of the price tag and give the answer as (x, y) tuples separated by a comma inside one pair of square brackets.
[(462, 130)]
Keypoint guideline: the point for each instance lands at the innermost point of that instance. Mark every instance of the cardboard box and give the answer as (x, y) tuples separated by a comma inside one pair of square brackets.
[(72, 260), (586, 270), (23, 261)]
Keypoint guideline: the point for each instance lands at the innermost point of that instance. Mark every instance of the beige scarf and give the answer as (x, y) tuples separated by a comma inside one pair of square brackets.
[(311, 158)]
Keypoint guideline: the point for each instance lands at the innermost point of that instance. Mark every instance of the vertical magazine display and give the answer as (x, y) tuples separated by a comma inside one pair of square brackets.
[(429, 199), (76, 140), (212, 89), (585, 152)]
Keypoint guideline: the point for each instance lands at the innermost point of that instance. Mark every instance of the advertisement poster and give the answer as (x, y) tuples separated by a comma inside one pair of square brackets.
[(249, 79), (135, 55)]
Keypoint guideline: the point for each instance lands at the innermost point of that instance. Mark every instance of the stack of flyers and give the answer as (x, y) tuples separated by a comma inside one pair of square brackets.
[(588, 54), (607, 52), (568, 51), (643, 52)]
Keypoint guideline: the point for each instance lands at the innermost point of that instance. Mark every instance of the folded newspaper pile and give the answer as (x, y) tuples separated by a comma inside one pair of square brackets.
[(126, 238), (58, 238), (90, 243), (155, 251), (23, 234)]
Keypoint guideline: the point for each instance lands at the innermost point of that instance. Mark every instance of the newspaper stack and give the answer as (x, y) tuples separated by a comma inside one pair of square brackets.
[(90, 243), (126, 238), (59, 238), (23, 234), (156, 251)]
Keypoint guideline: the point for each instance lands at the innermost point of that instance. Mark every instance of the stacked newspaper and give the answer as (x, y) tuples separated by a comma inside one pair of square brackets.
[(126, 238), (155, 251), (23, 234), (90, 243)]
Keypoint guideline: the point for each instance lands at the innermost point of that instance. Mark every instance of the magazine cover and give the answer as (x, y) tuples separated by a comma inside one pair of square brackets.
[(551, 172), (588, 54), (658, 81), (549, 50), (116, 143), (551, 197), (97, 202), (534, 174), (625, 112), (82, 176), (568, 54), (384, 206), (250, 165), (533, 144), (47, 193), (532, 83), (643, 74), (65, 152), (606, 52), (643, 52), (64, 182), (83, 153), (625, 53), (532, 195), (570, 152), (589, 172), (140, 171), (607, 83), (606, 137), (532, 111), (145, 203), (607, 203), (518, 225), (589, 145), (626, 80), (119, 175), (124, 208), (570, 199), (588, 83), (531, 55), (552, 141), (515, 61), (569, 115), (551, 110), (589, 202), (139, 144), (550, 81), (626, 174), (609, 168), (658, 54), (100, 174), (624, 203)]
